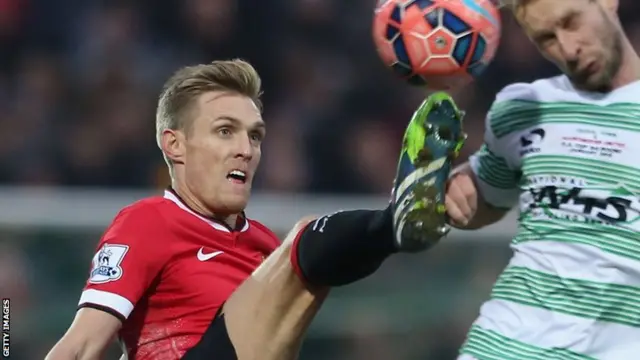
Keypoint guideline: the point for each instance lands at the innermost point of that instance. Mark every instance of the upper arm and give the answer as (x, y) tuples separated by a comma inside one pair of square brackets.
[(486, 214), (130, 256), (494, 166), (496, 182), (88, 336)]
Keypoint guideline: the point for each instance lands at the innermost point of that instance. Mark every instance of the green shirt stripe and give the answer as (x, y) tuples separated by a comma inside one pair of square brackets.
[(489, 345), (625, 246), (587, 299), (494, 170), (514, 115)]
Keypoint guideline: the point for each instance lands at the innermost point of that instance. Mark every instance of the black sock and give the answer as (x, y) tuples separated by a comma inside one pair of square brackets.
[(344, 247)]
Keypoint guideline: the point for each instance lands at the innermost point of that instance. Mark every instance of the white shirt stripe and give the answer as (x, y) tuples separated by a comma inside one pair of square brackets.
[(115, 302), (569, 260)]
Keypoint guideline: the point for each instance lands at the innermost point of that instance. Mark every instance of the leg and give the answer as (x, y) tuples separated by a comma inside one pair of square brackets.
[(343, 247), (346, 246), (268, 315)]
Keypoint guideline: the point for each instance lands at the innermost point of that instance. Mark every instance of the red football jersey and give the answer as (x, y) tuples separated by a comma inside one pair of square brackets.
[(166, 270)]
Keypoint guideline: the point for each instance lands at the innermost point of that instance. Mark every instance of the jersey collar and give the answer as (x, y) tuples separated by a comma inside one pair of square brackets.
[(172, 196)]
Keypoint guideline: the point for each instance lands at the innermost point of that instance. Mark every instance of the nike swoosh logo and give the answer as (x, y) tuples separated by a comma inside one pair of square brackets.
[(204, 257)]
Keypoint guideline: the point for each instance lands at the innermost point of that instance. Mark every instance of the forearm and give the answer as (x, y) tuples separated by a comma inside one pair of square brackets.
[(267, 316), (88, 337)]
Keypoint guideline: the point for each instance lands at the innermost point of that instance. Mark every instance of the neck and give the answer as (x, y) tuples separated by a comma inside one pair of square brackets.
[(629, 67), (189, 198)]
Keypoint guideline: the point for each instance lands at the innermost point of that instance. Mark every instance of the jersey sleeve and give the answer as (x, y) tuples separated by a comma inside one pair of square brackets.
[(497, 179), (130, 255)]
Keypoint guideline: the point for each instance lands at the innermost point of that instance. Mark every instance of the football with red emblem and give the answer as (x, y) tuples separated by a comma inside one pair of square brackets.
[(440, 44)]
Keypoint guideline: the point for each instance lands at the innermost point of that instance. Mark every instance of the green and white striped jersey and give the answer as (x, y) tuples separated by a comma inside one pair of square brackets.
[(571, 160)]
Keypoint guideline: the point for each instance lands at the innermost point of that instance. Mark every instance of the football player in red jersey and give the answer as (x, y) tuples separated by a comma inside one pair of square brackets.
[(181, 276)]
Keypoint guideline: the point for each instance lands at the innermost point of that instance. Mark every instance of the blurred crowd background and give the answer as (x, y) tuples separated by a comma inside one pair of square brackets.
[(78, 85)]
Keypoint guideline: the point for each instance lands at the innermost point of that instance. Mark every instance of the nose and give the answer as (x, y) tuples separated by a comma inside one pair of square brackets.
[(244, 147), (570, 47)]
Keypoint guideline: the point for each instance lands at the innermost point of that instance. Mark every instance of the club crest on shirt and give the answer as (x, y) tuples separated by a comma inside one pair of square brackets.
[(106, 263)]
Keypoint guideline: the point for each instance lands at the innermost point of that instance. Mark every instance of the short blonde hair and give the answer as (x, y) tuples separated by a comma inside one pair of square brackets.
[(188, 83)]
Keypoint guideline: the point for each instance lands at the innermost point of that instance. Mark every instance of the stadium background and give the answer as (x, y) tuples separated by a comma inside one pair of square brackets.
[(78, 84)]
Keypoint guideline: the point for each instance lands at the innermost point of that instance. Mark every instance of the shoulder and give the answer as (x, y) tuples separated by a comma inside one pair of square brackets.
[(155, 207), (535, 91), (144, 217), (137, 232), (517, 105), (265, 232)]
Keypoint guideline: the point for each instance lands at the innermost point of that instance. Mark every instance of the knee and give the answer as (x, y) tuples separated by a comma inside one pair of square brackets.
[(305, 221), (298, 228)]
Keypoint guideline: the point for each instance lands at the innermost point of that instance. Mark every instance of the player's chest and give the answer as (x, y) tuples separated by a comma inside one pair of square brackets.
[(204, 273), (574, 147), (581, 164)]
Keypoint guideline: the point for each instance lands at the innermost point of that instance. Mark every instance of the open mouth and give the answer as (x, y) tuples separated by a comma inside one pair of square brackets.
[(237, 176), (586, 71), (592, 67)]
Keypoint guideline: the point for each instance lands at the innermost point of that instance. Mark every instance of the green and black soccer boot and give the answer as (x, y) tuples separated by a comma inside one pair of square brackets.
[(432, 141)]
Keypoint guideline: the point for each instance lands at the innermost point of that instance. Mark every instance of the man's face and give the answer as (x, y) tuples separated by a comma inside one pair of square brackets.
[(222, 150), (579, 36)]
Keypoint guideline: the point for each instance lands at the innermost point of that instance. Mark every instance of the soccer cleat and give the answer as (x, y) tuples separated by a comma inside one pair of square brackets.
[(432, 141)]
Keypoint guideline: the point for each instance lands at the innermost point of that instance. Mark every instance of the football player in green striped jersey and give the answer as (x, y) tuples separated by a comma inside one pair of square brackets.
[(563, 151)]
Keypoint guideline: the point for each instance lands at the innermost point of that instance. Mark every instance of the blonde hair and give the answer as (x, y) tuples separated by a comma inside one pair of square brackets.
[(188, 83)]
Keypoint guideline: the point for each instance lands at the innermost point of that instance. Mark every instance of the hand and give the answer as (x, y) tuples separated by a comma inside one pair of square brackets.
[(461, 199)]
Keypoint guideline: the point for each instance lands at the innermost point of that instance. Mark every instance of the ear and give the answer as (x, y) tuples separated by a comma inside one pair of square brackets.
[(610, 5), (173, 145)]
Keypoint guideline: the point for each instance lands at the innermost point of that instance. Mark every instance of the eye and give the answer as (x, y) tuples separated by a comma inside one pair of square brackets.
[(571, 22), (224, 131), (545, 40), (257, 136)]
